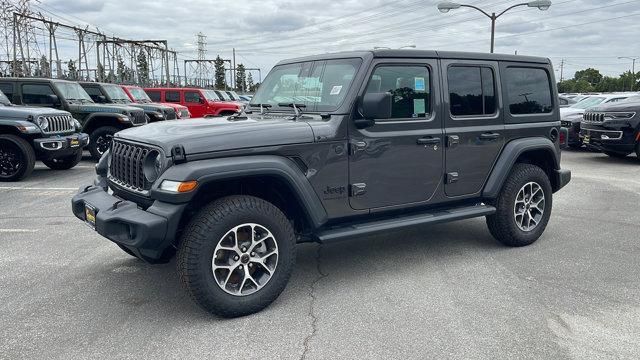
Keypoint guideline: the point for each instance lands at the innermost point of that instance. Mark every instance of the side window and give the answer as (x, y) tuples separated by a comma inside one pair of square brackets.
[(154, 95), (410, 88), (172, 96), (37, 94), (7, 89), (529, 91), (471, 91), (93, 92), (192, 97)]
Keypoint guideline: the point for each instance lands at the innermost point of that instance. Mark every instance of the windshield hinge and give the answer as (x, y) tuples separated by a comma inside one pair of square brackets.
[(177, 152)]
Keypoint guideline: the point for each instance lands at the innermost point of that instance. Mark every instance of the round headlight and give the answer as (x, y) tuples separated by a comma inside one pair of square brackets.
[(152, 166), (42, 122)]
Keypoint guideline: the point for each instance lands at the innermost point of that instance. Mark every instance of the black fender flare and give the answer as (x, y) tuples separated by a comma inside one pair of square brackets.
[(212, 170), (21, 126), (91, 119), (508, 157)]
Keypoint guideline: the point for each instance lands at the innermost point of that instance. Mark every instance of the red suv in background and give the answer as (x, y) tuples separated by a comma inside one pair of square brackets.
[(137, 95), (201, 103)]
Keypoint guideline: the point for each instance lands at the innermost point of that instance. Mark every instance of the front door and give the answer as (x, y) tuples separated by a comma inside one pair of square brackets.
[(399, 161), (196, 103), (474, 125)]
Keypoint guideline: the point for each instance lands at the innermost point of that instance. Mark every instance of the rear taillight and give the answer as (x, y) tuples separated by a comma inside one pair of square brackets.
[(563, 137)]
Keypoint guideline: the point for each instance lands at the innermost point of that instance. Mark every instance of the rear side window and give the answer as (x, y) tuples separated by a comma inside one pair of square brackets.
[(7, 89), (529, 91), (154, 95), (471, 91), (172, 96), (410, 88), (36, 94), (192, 97)]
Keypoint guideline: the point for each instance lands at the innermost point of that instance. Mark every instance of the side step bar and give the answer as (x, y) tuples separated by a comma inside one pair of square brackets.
[(436, 217)]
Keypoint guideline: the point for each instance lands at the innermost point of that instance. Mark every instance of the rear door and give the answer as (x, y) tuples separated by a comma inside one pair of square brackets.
[(399, 161), (474, 124)]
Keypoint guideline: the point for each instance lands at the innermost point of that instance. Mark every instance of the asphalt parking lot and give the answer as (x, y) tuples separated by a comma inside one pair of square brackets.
[(448, 291)]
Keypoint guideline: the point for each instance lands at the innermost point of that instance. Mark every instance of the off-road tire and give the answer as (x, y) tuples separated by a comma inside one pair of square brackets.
[(616, 155), (502, 224), (97, 134), (26, 153), (199, 242), (64, 163)]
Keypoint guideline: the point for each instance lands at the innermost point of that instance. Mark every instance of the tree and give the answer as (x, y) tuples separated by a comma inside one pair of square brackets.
[(220, 76), (123, 73), (241, 78), (143, 68), (591, 75), (44, 68), (100, 73), (73, 71), (250, 83)]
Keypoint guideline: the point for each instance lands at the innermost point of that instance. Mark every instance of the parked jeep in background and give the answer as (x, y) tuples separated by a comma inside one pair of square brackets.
[(98, 120), (381, 140), (104, 93), (28, 134), (201, 103), (138, 96), (613, 128)]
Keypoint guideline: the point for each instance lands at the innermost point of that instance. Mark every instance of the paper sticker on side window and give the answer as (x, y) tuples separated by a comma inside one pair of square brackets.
[(336, 90), (419, 84)]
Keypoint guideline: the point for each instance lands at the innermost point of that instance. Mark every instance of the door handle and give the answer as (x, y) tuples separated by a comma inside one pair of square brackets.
[(489, 136), (428, 141)]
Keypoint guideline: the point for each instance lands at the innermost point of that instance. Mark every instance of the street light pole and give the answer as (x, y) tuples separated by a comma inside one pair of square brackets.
[(633, 69), (447, 6)]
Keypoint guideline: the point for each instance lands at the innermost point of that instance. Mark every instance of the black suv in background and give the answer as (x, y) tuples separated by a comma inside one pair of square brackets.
[(104, 93), (336, 146), (613, 128), (28, 134), (98, 120)]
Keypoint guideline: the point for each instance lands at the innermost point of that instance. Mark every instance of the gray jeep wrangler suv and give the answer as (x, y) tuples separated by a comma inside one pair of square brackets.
[(333, 146), (28, 134)]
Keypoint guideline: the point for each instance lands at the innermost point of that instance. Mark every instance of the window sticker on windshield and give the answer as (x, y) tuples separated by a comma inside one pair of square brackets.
[(419, 107), (336, 90), (419, 84)]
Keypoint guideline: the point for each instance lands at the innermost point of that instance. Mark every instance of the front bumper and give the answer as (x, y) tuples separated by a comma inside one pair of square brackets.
[(150, 234), (58, 146), (620, 140)]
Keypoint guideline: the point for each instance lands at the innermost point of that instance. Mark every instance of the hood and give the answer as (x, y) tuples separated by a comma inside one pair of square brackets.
[(107, 108), (156, 107), (23, 112), (216, 134), (175, 106), (228, 104), (617, 106), (569, 111)]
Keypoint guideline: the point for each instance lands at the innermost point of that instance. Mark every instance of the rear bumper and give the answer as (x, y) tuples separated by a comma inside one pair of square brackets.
[(59, 146), (150, 233), (561, 178)]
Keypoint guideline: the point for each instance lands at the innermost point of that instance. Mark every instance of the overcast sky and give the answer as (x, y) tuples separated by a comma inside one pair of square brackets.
[(583, 32)]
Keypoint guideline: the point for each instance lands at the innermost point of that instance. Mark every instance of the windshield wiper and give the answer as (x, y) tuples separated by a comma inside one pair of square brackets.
[(297, 108)]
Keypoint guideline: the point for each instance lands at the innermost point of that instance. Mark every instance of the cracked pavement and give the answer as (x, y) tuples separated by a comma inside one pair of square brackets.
[(447, 291)]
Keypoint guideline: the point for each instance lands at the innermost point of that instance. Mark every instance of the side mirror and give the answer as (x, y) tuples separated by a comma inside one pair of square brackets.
[(203, 100), (55, 100), (375, 106), (101, 99)]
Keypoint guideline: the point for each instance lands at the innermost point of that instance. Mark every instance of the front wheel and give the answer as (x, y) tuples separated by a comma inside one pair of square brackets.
[(523, 207), (100, 141), (17, 158), (237, 255), (64, 163)]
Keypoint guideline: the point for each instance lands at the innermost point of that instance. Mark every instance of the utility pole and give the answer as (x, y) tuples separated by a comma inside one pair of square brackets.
[(233, 78), (562, 70), (633, 69)]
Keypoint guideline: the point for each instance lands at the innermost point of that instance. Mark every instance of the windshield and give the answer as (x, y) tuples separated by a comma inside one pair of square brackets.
[(319, 85), (223, 95), (588, 102), (138, 94), (233, 95), (72, 91), (210, 95), (4, 100), (116, 93)]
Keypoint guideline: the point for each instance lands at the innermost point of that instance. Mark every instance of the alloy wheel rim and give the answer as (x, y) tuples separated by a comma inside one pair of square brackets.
[(245, 259), (103, 143), (10, 160), (529, 206)]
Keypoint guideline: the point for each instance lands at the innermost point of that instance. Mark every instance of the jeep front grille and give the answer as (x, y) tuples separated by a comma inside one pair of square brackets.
[(125, 168), (593, 117), (138, 117), (59, 124)]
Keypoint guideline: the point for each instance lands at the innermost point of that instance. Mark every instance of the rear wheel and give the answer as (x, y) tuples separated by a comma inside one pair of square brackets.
[(237, 255), (64, 163), (523, 206), (100, 141), (17, 158)]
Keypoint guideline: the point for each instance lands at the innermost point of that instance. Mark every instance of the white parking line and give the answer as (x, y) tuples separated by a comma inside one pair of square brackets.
[(18, 230), (37, 188)]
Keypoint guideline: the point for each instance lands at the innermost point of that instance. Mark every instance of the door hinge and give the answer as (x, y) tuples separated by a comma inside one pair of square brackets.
[(453, 141), (358, 189), (451, 178), (356, 146)]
